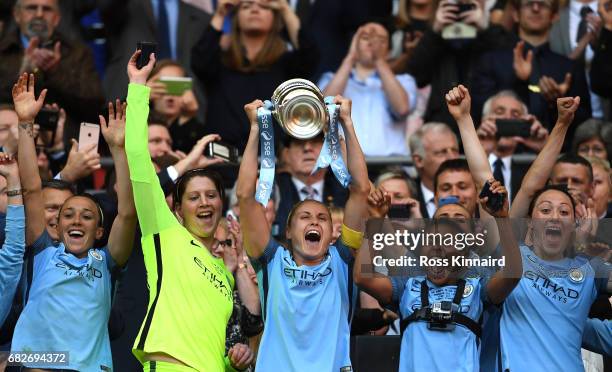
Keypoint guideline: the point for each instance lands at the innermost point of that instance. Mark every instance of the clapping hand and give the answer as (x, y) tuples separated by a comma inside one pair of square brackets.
[(523, 64)]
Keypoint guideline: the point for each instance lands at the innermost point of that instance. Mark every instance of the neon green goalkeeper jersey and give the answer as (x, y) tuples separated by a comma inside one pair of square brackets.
[(190, 291)]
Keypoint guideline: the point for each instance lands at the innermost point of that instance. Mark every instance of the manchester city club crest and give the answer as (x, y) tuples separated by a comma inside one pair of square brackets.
[(576, 275), (95, 255), (467, 291)]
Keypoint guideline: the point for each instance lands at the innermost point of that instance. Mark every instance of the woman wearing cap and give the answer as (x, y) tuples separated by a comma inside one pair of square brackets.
[(70, 297), (305, 287)]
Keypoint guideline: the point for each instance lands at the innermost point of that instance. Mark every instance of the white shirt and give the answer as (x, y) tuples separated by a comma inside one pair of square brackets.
[(379, 130), (318, 186), (506, 171), (574, 21), (428, 197)]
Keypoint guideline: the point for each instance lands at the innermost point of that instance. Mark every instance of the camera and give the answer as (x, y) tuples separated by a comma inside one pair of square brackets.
[(441, 316)]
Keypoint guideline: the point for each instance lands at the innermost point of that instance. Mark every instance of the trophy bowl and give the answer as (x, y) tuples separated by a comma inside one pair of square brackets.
[(299, 108)]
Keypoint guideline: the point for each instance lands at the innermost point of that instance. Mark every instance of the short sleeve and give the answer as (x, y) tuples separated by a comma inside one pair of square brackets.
[(398, 283), (602, 275), (344, 252), (325, 80), (43, 241), (484, 295), (269, 251), (110, 262)]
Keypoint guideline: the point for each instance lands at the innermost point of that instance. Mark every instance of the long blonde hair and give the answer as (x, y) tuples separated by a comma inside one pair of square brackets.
[(272, 50)]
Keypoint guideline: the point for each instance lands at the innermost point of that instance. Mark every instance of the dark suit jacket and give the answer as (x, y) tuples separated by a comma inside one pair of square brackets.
[(494, 73), (419, 197), (128, 22), (517, 173), (601, 65), (74, 84), (289, 196)]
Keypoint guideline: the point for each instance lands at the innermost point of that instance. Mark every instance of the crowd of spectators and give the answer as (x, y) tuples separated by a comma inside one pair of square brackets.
[(452, 97)]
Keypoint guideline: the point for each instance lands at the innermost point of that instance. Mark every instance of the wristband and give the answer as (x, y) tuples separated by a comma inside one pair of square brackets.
[(351, 238), (15, 192)]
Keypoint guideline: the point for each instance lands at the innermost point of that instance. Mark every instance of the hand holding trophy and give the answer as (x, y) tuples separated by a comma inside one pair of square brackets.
[(300, 109)]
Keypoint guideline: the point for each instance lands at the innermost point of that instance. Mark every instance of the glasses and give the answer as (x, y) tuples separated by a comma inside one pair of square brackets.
[(225, 243), (532, 4), (596, 150)]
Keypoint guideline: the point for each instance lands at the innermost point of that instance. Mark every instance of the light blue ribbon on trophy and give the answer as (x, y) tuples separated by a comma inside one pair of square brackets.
[(331, 154), (265, 183)]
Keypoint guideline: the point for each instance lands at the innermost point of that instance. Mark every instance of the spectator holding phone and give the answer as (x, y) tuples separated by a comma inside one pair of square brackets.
[(506, 109), (531, 69), (382, 99), (442, 58), (257, 61), (71, 271), (64, 67), (177, 104)]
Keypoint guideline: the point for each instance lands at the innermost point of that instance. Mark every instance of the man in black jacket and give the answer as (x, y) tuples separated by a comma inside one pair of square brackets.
[(531, 69)]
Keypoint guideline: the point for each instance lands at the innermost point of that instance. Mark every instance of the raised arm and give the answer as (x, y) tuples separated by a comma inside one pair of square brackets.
[(252, 214), (459, 105), (154, 214), (290, 19), (247, 289), (504, 281), (337, 85), (121, 238), (27, 107), (11, 254), (396, 95), (539, 172), (356, 208)]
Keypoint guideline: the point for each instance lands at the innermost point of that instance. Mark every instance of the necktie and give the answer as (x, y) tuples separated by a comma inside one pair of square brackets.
[(163, 33), (309, 192), (583, 25), (498, 173), (302, 9)]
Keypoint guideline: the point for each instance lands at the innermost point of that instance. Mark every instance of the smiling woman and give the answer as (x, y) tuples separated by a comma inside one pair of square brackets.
[(191, 291), (71, 278)]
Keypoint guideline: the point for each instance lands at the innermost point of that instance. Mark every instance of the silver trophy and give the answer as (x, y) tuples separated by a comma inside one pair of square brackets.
[(299, 108)]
